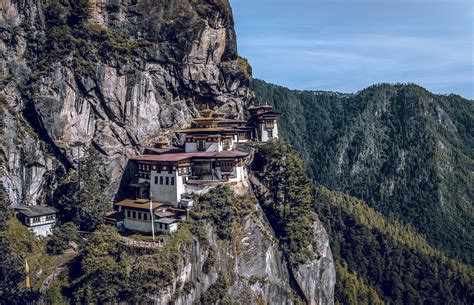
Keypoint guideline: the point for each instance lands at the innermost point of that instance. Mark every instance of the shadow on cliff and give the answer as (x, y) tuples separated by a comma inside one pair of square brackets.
[(130, 175)]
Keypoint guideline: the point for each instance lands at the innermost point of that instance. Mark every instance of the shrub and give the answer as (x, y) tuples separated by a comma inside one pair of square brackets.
[(290, 204), (59, 242), (222, 208)]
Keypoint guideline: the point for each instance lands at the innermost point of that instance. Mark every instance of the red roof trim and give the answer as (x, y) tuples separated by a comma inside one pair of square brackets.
[(183, 156)]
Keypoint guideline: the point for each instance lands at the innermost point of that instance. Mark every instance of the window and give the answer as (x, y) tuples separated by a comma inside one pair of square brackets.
[(145, 216), (172, 180), (270, 134), (161, 180), (226, 166), (139, 215), (156, 179), (167, 180), (183, 171), (128, 213), (226, 144), (134, 214), (201, 145)]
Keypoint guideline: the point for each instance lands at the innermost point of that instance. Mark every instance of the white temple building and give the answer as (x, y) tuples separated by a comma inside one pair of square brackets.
[(167, 176)]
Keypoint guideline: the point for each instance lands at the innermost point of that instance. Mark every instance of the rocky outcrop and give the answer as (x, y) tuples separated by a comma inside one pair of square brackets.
[(317, 277), (134, 71), (314, 280), (110, 105), (251, 263)]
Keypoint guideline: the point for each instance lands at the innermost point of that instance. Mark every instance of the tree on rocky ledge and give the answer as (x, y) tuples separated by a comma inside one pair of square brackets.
[(80, 198), (290, 207)]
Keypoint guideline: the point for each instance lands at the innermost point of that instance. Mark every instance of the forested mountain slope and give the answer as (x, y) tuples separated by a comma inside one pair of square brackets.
[(405, 151), (381, 261)]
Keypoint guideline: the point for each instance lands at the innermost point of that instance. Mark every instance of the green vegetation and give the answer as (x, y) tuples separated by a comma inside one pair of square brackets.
[(379, 260), (210, 261), (12, 271), (221, 207), (245, 66), (352, 290), (61, 238), (289, 208), (217, 292), (73, 40), (6, 211), (407, 152), (80, 196), (18, 245), (107, 271), (101, 269)]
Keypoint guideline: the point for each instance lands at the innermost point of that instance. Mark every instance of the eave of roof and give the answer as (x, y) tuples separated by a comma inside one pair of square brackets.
[(174, 157), (139, 204), (167, 220), (35, 210), (163, 150)]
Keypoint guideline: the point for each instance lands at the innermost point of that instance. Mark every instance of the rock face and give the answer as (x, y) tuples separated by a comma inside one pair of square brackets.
[(60, 106), (252, 263), (314, 280), (54, 116), (317, 278)]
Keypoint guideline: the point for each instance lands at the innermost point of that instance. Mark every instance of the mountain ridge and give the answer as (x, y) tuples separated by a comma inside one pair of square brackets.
[(406, 152)]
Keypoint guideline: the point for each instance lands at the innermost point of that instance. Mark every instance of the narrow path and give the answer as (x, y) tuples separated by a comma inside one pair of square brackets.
[(50, 278), (141, 244)]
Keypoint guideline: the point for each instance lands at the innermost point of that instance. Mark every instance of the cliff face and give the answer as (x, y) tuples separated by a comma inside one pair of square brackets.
[(250, 264), (315, 279), (130, 71), (106, 78), (247, 268)]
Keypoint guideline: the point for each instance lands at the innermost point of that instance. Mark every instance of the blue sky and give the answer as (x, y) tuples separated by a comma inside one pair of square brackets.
[(347, 45)]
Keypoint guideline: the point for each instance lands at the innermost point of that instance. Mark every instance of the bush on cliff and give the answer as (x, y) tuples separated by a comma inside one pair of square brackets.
[(223, 208), (290, 204), (59, 242)]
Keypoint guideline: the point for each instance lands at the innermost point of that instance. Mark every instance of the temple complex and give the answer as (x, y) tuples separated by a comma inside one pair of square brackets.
[(167, 176)]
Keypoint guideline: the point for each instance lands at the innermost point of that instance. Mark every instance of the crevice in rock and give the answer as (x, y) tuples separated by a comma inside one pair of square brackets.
[(99, 149), (105, 107), (34, 119)]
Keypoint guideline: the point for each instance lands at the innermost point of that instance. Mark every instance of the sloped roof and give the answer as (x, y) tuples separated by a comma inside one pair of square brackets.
[(167, 220), (163, 150), (139, 204), (165, 214), (35, 210), (183, 156)]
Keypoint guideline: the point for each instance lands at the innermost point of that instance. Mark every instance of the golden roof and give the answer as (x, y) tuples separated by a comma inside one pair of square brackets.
[(204, 129), (206, 113), (139, 204)]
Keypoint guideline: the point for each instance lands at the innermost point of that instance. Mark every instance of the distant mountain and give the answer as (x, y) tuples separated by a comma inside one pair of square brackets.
[(405, 151), (380, 261)]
